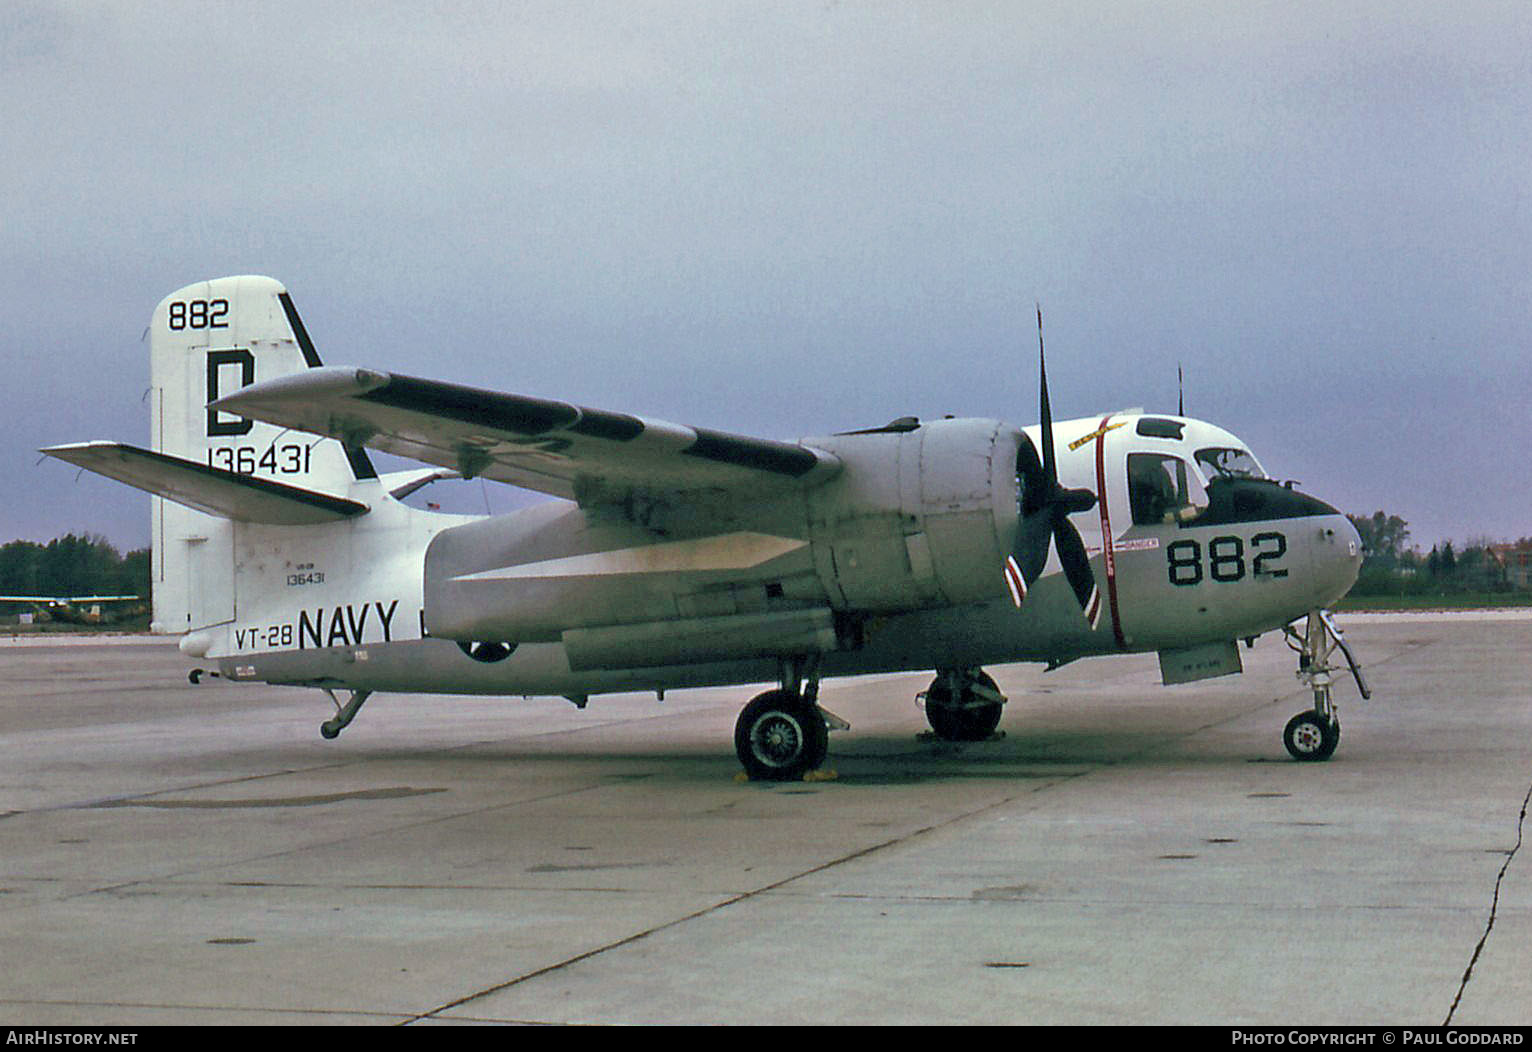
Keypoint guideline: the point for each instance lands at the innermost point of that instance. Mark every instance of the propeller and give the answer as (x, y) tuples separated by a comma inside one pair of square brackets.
[(1043, 513)]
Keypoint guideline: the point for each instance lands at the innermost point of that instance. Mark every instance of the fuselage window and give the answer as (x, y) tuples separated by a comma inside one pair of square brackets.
[(1163, 489)]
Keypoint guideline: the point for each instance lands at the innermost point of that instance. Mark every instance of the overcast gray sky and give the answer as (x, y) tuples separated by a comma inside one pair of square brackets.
[(787, 219)]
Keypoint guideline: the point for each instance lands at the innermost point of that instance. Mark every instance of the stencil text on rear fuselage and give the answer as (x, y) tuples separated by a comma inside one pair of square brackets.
[(323, 626)]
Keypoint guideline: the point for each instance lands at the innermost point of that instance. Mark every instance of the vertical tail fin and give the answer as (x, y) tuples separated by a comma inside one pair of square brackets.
[(207, 340)]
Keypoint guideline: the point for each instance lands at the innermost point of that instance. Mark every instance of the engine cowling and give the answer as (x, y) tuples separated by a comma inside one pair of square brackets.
[(920, 516)]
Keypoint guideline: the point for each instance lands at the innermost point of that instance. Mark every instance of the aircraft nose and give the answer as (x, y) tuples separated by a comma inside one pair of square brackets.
[(1338, 555)]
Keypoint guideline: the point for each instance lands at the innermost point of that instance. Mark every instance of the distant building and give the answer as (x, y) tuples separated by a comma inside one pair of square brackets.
[(1515, 562)]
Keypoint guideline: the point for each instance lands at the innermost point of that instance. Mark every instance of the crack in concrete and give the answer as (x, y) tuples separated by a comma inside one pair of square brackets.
[(388, 793), (1494, 906)]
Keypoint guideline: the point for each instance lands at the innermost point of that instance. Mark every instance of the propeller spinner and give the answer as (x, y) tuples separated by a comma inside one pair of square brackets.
[(1043, 509)]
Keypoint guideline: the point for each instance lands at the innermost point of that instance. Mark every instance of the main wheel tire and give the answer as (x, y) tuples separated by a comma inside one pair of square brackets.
[(1310, 736), (779, 737), (960, 719)]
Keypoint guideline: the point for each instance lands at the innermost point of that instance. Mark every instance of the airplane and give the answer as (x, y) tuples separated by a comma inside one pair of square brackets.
[(74, 609), (679, 556)]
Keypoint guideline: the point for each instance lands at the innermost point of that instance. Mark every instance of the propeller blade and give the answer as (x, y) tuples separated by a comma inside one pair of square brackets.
[(1050, 465), (1043, 514), (1033, 535), (1077, 569)]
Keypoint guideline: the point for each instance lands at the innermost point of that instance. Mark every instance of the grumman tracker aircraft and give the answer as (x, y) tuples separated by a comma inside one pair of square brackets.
[(683, 557)]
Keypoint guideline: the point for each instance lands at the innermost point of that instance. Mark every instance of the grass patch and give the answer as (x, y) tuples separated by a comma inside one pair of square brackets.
[(1447, 601)]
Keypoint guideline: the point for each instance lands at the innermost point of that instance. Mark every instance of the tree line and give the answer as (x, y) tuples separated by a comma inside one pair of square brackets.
[(72, 566), (1391, 566)]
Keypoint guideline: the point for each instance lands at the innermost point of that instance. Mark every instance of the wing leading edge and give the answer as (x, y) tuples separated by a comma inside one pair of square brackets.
[(552, 447)]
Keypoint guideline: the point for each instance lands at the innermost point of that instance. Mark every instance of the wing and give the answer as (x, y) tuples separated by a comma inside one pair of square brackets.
[(553, 447)]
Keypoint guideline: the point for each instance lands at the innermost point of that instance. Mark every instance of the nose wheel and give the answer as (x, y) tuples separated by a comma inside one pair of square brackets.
[(1311, 736)]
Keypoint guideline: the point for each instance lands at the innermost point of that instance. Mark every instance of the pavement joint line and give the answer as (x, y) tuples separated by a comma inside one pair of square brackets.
[(736, 899)]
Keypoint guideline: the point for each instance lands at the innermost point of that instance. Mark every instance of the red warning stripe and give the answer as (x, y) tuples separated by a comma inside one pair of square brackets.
[(1108, 556), (1015, 581)]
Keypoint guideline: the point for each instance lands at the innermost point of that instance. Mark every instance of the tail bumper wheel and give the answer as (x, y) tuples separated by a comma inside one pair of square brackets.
[(780, 737)]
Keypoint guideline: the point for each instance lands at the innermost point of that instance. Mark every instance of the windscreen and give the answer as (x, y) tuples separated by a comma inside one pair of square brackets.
[(1222, 462)]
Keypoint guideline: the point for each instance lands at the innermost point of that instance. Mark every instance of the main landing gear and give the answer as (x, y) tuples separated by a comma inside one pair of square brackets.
[(1313, 735), (783, 734), (963, 705)]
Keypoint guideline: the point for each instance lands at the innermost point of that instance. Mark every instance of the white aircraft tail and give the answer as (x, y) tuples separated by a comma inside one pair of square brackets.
[(207, 340)]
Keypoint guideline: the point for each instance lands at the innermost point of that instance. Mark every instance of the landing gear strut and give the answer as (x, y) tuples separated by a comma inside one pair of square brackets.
[(783, 734), (1313, 735), (963, 705)]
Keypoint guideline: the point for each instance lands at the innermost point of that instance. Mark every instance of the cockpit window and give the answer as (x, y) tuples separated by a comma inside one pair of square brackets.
[(1163, 489), (1229, 463)]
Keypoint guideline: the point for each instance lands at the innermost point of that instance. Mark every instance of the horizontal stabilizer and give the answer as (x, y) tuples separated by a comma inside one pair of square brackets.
[(208, 489)]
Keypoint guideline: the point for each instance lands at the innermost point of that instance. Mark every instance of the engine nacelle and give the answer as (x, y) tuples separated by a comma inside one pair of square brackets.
[(920, 515)]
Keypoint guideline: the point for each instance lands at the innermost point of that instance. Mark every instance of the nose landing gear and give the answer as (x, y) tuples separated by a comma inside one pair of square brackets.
[(1313, 735)]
